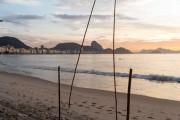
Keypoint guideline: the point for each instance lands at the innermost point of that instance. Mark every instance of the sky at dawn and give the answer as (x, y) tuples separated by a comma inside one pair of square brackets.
[(140, 24)]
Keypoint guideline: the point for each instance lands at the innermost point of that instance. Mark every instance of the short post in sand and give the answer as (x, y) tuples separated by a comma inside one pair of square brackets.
[(128, 95), (59, 92)]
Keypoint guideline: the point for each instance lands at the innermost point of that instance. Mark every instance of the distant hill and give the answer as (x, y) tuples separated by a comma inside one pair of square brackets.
[(155, 52), (146, 51), (122, 51), (117, 51), (159, 50), (73, 46), (16, 43), (108, 51), (90, 48), (67, 46), (96, 45)]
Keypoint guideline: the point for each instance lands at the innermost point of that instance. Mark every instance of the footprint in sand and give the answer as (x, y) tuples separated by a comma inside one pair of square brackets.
[(93, 104), (150, 117), (97, 112), (120, 113), (99, 108), (168, 119), (84, 102), (80, 105), (135, 118), (112, 107), (139, 111), (109, 110)]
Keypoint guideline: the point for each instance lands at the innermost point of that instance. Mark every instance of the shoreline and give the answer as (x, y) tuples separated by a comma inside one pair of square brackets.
[(91, 89), (89, 102)]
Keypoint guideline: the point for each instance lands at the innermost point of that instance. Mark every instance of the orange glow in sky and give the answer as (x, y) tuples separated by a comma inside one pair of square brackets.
[(140, 24)]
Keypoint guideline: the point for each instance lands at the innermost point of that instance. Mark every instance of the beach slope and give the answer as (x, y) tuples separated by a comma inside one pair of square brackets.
[(25, 97)]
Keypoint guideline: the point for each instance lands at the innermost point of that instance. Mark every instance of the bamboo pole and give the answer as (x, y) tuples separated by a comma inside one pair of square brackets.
[(81, 50), (114, 66), (129, 94)]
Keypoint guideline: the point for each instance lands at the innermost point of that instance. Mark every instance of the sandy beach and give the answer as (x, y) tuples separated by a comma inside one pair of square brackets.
[(29, 98)]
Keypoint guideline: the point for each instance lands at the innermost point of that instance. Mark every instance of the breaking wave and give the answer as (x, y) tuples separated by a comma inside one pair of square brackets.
[(151, 77)]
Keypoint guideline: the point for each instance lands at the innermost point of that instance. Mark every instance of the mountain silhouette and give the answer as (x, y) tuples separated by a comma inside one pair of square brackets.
[(122, 50), (95, 46), (67, 46), (159, 50), (16, 43)]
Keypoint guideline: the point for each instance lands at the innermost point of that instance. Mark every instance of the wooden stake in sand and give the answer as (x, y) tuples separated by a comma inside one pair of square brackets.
[(129, 93), (59, 92)]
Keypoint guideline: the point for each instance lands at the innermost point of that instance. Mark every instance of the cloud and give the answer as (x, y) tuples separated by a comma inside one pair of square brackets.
[(21, 19), (149, 26), (80, 3), (27, 2), (79, 17)]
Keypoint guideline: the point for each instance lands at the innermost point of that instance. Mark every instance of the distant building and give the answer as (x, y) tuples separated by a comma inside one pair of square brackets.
[(42, 46), (2, 49), (42, 50)]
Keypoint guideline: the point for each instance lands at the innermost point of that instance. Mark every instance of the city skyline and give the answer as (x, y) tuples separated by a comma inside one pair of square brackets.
[(141, 24)]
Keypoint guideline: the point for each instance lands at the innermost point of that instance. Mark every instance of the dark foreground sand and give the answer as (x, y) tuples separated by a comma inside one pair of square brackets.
[(30, 98)]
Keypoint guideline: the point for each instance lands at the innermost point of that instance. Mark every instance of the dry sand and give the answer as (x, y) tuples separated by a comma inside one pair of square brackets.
[(25, 97)]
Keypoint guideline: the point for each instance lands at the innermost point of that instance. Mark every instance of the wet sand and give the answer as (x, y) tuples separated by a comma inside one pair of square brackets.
[(24, 97)]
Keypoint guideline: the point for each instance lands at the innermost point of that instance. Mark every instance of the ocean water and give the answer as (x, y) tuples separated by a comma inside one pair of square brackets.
[(154, 75)]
